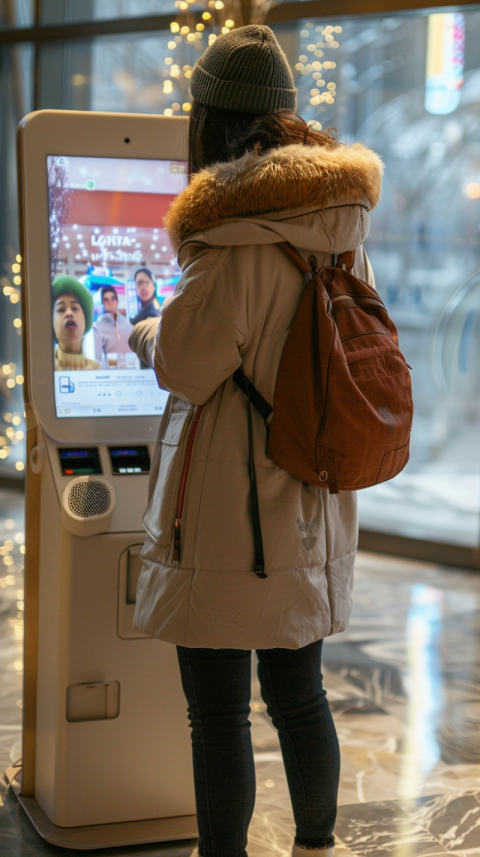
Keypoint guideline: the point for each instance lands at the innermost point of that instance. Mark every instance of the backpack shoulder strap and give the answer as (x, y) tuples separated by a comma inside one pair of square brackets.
[(264, 409), (295, 255), (259, 403), (345, 260)]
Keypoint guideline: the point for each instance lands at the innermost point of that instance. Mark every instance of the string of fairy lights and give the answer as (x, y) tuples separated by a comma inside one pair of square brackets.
[(12, 424), (218, 18), (316, 66), (187, 32)]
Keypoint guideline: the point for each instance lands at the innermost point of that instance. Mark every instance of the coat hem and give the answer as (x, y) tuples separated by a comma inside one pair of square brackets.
[(176, 606)]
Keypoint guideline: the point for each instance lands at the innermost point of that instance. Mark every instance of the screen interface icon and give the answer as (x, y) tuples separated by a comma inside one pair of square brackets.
[(112, 266), (66, 384)]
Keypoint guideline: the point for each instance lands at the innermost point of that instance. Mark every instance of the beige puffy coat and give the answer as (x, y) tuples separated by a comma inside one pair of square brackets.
[(233, 306)]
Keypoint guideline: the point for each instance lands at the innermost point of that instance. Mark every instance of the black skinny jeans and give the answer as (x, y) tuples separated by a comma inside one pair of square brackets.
[(217, 684)]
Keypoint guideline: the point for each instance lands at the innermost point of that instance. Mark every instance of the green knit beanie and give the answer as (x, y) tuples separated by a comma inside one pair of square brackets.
[(70, 286), (245, 70)]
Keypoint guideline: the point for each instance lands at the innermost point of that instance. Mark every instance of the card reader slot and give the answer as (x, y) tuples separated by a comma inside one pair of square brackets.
[(129, 460), (79, 461)]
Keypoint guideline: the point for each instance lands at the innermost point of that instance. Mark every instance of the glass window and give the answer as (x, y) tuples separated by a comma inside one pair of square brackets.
[(70, 11), (409, 87), (16, 13), (145, 73), (16, 76)]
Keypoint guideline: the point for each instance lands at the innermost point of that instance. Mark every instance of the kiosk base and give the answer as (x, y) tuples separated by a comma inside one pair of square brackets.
[(104, 835)]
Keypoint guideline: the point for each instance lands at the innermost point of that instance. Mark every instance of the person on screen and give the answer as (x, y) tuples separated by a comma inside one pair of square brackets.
[(147, 295), (112, 329), (72, 319)]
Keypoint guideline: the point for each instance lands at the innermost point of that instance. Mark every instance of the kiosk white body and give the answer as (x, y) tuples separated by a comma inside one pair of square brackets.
[(106, 737)]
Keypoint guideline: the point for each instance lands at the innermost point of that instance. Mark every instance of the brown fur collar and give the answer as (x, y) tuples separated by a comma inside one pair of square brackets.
[(283, 179)]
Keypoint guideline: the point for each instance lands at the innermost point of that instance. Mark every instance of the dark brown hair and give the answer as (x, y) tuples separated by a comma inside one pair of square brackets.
[(146, 271), (217, 135)]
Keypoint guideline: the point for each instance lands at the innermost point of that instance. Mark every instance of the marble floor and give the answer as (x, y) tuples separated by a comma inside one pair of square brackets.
[(404, 687)]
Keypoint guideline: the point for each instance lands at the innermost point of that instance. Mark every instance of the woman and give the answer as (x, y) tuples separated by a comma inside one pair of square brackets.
[(259, 176), (72, 319), (147, 295)]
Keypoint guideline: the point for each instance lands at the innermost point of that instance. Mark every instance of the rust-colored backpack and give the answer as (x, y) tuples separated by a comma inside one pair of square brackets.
[(342, 406)]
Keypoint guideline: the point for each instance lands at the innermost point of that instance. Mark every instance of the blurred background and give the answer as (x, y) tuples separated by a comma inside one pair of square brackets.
[(406, 83)]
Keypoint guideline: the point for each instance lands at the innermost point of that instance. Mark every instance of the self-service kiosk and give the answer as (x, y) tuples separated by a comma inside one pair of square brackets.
[(106, 744)]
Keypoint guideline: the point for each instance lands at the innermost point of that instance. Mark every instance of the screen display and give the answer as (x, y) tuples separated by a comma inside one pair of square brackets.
[(129, 459), (112, 266), (79, 462)]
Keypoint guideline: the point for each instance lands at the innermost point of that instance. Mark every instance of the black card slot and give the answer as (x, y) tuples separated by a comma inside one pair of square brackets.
[(128, 460)]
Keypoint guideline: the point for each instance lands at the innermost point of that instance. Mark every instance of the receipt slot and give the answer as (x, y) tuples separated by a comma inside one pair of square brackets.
[(106, 744)]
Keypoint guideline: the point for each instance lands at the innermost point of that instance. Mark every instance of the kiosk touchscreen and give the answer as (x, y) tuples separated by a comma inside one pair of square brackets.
[(106, 744)]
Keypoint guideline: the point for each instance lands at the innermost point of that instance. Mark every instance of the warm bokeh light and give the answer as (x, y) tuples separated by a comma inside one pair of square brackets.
[(473, 190)]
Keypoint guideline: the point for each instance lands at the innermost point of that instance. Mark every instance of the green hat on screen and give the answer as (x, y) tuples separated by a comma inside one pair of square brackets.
[(70, 286)]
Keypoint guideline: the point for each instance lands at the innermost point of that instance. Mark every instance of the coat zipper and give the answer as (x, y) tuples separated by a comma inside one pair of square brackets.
[(183, 482)]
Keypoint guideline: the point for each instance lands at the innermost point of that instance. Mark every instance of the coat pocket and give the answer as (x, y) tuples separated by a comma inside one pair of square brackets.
[(159, 516)]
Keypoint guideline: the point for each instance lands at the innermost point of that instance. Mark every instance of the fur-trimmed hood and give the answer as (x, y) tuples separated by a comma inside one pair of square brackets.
[(287, 179)]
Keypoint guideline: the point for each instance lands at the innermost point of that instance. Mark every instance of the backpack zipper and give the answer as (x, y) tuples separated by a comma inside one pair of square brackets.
[(183, 482), (353, 298)]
